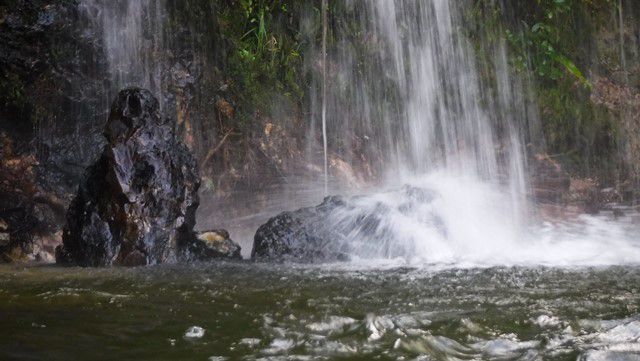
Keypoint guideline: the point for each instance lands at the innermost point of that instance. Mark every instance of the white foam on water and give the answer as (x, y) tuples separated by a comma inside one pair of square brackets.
[(504, 347), (629, 332), (279, 345), (194, 332), (445, 220), (545, 321), (250, 342), (377, 326), (331, 324)]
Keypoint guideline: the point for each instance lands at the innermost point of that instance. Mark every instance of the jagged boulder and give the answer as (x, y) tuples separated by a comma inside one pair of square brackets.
[(137, 203), (366, 226), (300, 236)]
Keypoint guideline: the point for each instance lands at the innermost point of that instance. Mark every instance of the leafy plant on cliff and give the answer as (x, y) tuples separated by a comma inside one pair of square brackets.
[(266, 49), (551, 44), (541, 42)]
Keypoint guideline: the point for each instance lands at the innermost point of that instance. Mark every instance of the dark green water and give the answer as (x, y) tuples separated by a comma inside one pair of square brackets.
[(286, 312)]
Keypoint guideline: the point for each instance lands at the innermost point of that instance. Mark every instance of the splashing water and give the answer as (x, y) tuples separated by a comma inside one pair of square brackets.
[(445, 221), (248, 311)]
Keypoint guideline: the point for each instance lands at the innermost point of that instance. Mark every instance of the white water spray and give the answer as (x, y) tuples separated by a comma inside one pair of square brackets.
[(460, 221)]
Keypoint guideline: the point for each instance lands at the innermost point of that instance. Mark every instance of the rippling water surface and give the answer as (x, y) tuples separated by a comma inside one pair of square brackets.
[(253, 311)]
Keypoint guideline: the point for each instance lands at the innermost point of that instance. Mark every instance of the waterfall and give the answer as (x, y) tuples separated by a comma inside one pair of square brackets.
[(412, 95), (421, 95), (407, 79), (408, 85), (447, 120), (623, 62), (132, 40)]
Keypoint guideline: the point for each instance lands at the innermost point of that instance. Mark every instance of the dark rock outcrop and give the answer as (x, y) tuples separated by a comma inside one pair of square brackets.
[(52, 88), (137, 203), (300, 236), (340, 228)]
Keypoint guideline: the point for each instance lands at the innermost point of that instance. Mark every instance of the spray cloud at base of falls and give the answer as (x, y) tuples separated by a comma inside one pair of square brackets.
[(457, 221)]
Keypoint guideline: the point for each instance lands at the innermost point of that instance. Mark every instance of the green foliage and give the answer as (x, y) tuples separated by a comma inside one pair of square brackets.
[(252, 51), (550, 42), (541, 41), (265, 56), (579, 133)]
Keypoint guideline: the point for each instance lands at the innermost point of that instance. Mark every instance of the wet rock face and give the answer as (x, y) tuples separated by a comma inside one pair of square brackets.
[(52, 89), (300, 236), (137, 203), (29, 216), (550, 182)]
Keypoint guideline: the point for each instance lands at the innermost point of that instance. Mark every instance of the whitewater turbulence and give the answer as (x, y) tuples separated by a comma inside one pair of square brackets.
[(456, 221)]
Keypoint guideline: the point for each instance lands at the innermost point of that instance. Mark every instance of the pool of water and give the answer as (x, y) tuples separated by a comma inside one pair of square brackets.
[(249, 311)]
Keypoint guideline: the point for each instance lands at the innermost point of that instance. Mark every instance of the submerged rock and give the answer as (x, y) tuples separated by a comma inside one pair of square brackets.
[(137, 203), (214, 244)]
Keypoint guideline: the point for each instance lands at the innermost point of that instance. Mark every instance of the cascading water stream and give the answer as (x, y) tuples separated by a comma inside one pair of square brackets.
[(132, 37), (441, 126), (623, 62), (420, 67), (455, 136), (324, 95)]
